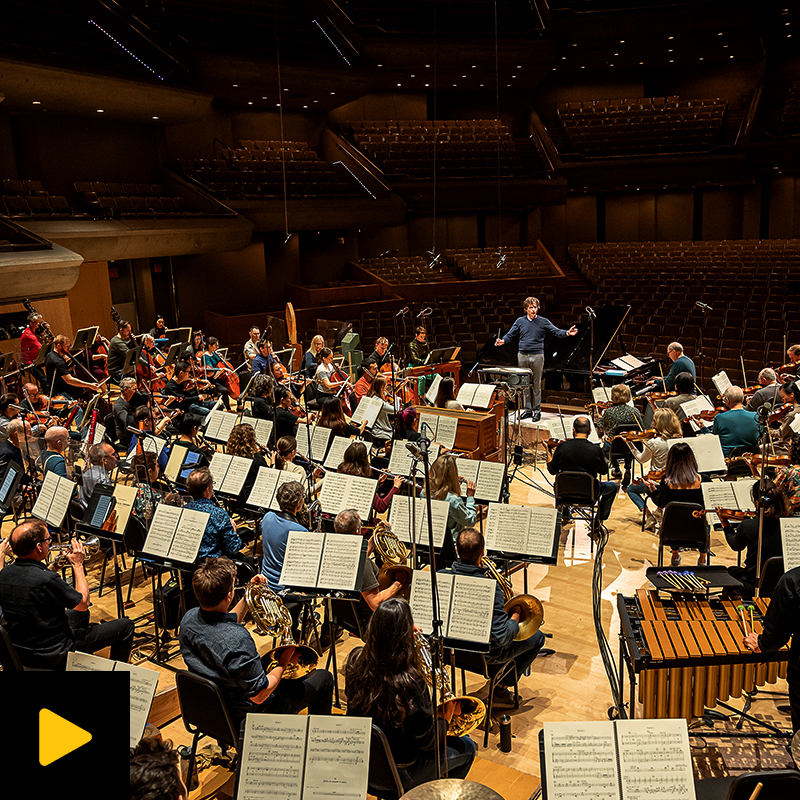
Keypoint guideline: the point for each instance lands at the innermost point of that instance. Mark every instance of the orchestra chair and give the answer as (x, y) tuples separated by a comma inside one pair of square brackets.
[(204, 712), (467, 661), (345, 616), (384, 780), (576, 490), (111, 431), (771, 573), (681, 528), (777, 785), (9, 658), (620, 451)]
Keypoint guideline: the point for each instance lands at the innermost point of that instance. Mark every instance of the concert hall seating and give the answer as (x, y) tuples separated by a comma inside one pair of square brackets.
[(750, 285), (459, 148), (131, 200), (634, 126), (256, 169), (28, 200)]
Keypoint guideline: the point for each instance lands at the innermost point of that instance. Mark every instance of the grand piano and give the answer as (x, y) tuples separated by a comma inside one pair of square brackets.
[(580, 358)]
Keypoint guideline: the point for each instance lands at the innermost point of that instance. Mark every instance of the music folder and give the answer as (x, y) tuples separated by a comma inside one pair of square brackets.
[(218, 425), (324, 562), (404, 528), (53, 499), (466, 605), (303, 757), (487, 476), (175, 535), (529, 533), (340, 491), (229, 473)]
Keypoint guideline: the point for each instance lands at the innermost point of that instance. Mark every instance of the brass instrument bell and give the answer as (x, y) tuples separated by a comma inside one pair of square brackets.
[(57, 555), (532, 615), (394, 555)]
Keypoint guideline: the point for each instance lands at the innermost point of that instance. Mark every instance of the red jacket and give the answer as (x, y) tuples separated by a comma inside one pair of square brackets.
[(30, 346)]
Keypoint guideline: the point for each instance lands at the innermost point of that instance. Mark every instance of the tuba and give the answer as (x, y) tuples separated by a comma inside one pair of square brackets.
[(473, 710), (532, 615), (394, 555), (272, 618)]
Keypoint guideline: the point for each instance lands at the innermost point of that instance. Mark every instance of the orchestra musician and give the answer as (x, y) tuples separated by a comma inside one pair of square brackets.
[(383, 681), (143, 420), (118, 350), (382, 428), (445, 484), (30, 345), (792, 365), (251, 345), (261, 396), (285, 451), (768, 393), (33, 399), (788, 478), (654, 452), (580, 455), (380, 355), (736, 427), (365, 381), (790, 395), (419, 347), (285, 420), (102, 460), (194, 350), (180, 385), (530, 330), (52, 459), (48, 618), (619, 413), (7, 413), (680, 363), (16, 447), (60, 379), (684, 386), (129, 399), (356, 462), (781, 622), (324, 377), (242, 442), (159, 331), (215, 645), (331, 416), (309, 365), (155, 771), (212, 361), (188, 428), (275, 529), (471, 548), (262, 363), (744, 536), (446, 395)]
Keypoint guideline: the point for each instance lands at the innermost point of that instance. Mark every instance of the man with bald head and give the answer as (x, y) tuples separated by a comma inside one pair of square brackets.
[(52, 460), (768, 393), (580, 455), (737, 427), (47, 618)]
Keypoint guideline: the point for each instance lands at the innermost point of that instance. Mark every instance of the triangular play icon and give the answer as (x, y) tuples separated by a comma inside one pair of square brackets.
[(58, 737)]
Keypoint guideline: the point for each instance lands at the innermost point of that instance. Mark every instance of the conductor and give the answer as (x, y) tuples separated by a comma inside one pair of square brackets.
[(531, 330)]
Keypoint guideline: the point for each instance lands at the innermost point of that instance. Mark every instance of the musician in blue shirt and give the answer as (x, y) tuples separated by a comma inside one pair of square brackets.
[(530, 330), (680, 363)]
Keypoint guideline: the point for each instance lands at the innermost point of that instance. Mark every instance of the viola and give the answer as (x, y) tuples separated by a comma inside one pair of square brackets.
[(756, 462), (780, 412), (656, 396), (707, 415)]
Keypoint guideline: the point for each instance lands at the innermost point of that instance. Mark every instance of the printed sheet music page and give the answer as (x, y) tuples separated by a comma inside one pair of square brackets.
[(341, 562), (421, 602), (337, 758), (162, 530), (790, 537), (472, 602), (189, 534), (301, 559), (263, 487)]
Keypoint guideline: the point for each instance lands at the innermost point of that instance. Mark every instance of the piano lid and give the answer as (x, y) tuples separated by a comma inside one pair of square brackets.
[(572, 354)]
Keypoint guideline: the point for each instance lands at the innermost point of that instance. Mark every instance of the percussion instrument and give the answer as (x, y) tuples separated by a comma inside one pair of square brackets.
[(688, 652)]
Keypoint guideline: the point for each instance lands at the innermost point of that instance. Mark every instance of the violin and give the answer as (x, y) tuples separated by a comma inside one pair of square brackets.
[(551, 444), (656, 396), (734, 514), (788, 369), (637, 436), (780, 412), (653, 475), (706, 415), (199, 384)]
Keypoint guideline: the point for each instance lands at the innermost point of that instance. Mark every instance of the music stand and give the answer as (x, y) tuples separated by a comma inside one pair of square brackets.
[(442, 355), (9, 485), (131, 359), (178, 336), (173, 354), (85, 338)]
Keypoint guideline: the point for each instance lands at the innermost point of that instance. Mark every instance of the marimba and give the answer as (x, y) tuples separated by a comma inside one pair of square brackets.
[(688, 652)]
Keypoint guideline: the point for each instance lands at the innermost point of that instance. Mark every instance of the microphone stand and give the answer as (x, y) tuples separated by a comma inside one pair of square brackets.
[(701, 355)]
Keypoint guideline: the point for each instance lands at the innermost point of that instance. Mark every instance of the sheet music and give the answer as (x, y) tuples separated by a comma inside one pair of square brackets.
[(795, 423), (421, 602), (341, 491), (400, 513), (189, 534), (707, 450), (507, 528), (654, 759), (400, 459), (477, 395), (11, 473), (561, 427), (237, 474), (263, 429), (272, 757), (742, 490), (219, 467), (264, 487), (790, 539), (336, 451), (337, 757), (99, 433), (722, 382), (143, 685), (443, 429), (581, 761), (601, 394), (176, 456), (101, 511), (433, 389), (301, 559), (53, 499), (471, 607), (368, 408), (341, 562), (152, 444), (487, 475), (627, 363), (319, 442), (219, 425), (162, 530)]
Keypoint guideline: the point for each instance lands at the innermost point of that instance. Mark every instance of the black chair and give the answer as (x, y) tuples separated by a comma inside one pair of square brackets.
[(384, 780), (777, 785), (204, 712), (771, 573), (477, 663), (9, 660), (739, 469), (683, 526), (575, 490), (345, 615), (620, 451), (110, 425)]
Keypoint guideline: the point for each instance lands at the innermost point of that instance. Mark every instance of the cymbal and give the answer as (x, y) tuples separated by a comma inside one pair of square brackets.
[(452, 789), (796, 747)]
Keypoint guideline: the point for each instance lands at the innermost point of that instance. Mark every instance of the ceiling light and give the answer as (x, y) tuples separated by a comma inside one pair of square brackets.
[(616, 54), (37, 102), (427, 84), (316, 101), (463, 76), (672, 61), (99, 110), (670, 37), (474, 65), (563, 58), (519, 66), (622, 41), (335, 92), (285, 90), (235, 85), (263, 98), (380, 65), (249, 102), (155, 117), (413, 76), (305, 106)]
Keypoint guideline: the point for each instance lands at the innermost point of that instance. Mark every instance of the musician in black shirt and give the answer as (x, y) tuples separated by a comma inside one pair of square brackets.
[(189, 398)]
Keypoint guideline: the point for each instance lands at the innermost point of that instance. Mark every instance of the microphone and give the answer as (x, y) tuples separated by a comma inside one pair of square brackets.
[(417, 450), (703, 306), (590, 312), (402, 312), (425, 312), (131, 429)]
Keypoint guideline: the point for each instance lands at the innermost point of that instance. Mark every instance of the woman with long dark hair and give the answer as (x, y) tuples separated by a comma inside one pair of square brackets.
[(681, 483), (332, 416), (745, 535), (446, 396), (383, 681), (356, 462)]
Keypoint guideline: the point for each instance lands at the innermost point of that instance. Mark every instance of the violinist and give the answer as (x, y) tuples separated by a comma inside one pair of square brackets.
[(356, 462), (365, 381), (147, 370), (744, 536), (309, 365), (666, 426), (382, 428), (285, 420), (59, 375), (790, 397), (250, 348), (788, 478), (7, 413), (768, 393), (684, 386), (617, 415), (159, 331), (213, 362), (680, 363), (194, 350), (143, 420), (30, 345), (118, 350), (324, 377), (262, 396), (180, 385), (188, 430), (331, 416), (735, 427), (285, 451), (789, 370)]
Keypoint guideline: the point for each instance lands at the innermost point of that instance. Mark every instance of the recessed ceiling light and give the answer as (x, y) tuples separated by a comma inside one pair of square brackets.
[(672, 61), (278, 105), (428, 65), (463, 76), (305, 106), (427, 84), (316, 101), (616, 54), (622, 41), (235, 85), (641, 62), (333, 92), (701, 58), (37, 102), (413, 76), (474, 65), (263, 98), (719, 34), (670, 37), (249, 102), (481, 84), (724, 45), (455, 84), (519, 66), (563, 58), (99, 110), (669, 51), (380, 65), (155, 117)]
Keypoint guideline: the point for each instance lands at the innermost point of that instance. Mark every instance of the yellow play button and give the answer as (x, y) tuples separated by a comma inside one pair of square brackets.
[(58, 737)]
